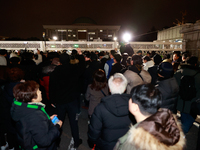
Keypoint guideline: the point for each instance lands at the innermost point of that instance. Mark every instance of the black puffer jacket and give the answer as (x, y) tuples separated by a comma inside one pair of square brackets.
[(34, 127), (64, 82), (109, 121), (117, 68), (169, 89)]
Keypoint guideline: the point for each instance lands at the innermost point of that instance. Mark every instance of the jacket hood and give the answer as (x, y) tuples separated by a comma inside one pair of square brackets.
[(157, 132), (117, 104), (20, 110)]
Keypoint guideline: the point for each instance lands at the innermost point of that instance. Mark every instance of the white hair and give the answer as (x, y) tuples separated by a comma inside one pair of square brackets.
[(117, 83)]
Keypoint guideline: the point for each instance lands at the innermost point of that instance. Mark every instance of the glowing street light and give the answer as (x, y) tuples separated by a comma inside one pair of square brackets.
[(55, 38), (127, 37), (115, 38)]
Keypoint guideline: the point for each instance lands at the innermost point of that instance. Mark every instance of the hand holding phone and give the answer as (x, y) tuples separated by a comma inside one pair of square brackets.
[(55, 120)]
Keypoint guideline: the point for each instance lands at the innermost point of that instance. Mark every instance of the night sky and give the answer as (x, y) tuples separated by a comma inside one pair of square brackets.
[(24, 18)]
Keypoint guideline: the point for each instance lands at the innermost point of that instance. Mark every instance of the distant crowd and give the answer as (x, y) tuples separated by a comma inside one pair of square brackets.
[(132, 98)]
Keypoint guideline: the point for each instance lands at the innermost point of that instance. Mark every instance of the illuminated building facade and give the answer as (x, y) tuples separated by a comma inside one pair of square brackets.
[(82, 29)]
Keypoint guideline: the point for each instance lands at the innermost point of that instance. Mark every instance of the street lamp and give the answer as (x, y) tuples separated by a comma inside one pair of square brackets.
[(127, 37), (115, 39), (55, 38)]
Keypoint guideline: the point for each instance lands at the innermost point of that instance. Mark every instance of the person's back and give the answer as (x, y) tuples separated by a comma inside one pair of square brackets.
[(155, 129), (117, 67), (97, 90), (168, 86), (109, 63), (63, 82), (110, 119), (136, 75), (64, 92), (184, 106)]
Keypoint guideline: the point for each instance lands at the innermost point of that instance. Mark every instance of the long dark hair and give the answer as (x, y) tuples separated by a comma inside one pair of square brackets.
[(99, 80)]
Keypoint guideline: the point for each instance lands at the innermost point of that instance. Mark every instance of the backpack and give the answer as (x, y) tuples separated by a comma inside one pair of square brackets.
[(187, 90)]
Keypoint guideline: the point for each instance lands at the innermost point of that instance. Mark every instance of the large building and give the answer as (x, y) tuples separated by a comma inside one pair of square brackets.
[(170, 35), (82, 29), (192, 38)]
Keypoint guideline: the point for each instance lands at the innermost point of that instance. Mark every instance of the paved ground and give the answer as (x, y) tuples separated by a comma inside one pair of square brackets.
[(83, 127)]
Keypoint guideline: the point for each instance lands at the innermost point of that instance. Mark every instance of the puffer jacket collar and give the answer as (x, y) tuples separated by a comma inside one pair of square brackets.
[(159, 131)]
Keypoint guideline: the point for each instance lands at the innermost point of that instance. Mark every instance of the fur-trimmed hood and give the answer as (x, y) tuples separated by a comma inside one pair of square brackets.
[(160, 131)]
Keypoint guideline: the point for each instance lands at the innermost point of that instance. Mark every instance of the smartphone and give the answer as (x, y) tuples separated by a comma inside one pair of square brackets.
[(55, 120)]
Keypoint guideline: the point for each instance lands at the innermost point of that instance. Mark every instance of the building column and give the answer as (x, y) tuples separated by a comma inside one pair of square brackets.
[(97, 33), (66, 34), (107, 33), (87, 36), (50, 34), (77, 34), (47, 33), (57, 35)]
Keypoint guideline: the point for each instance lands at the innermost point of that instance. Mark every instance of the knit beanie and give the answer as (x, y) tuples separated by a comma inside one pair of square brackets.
[(165, 69)]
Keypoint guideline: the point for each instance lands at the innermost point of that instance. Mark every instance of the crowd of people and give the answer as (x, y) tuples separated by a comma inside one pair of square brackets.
[(132, 99)]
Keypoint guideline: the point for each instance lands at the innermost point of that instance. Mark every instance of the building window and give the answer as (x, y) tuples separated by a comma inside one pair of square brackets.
[(69, 35), (82, 30), (91, 38), (62, 30), (74, 35), (91, 33), (101, 30), (69, 30), (109, 35)]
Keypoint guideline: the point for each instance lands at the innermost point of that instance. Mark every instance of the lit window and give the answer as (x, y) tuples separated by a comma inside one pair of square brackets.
[(109, 35), (62, 30), (69, 35), (91, 33), (74, 35), (91, 38), (101, 30), (69, 30), (82, 30)]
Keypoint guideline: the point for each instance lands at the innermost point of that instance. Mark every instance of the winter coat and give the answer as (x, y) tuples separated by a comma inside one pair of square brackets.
[(108, 67), (34, 127), (64, 84), (117, 68), (134, 79), (45, 83), (160, 131), (154, 74), (88, 75), (148, 64), (169, 89), (94, 97), (187, 70), (8, 99), (109, 121)]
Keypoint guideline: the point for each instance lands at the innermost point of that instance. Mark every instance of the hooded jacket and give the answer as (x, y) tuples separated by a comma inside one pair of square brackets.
[(160, 131), (169, 89), (109, 121), (34, 127)]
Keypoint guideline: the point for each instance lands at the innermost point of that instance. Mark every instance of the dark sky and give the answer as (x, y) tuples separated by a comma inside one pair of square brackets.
[(24, 18)]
